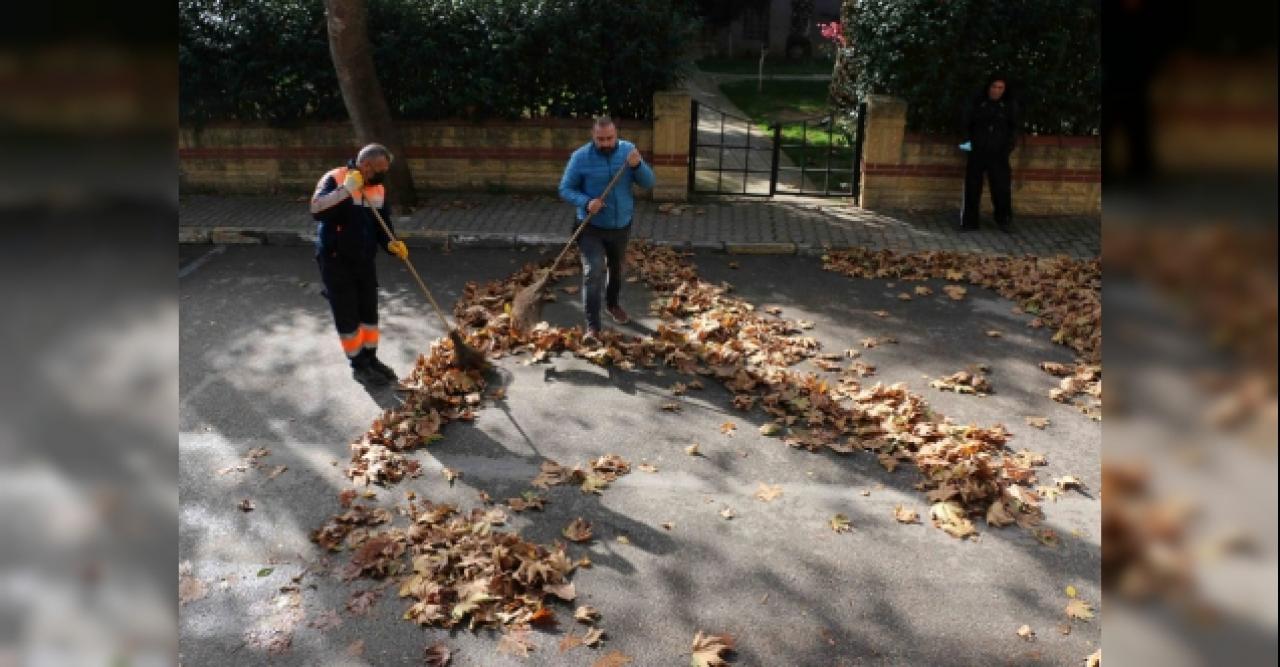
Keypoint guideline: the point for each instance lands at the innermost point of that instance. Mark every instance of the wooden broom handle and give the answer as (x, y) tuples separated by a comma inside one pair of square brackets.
[(414, 272), (578, 231)]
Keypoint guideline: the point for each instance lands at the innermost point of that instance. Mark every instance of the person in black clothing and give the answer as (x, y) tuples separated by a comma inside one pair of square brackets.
[(348, 241), (990, 128)]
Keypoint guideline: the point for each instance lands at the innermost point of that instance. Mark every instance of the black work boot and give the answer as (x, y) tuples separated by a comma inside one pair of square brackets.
[(371, 354), (364, 372)]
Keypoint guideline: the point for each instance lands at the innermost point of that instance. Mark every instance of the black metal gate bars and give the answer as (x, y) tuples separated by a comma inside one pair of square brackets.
[(730, 155)]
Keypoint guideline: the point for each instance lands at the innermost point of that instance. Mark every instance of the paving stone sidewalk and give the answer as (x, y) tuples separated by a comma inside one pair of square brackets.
[(779, 225)]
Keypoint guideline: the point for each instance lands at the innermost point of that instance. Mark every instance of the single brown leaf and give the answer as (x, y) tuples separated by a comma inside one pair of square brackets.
[(1079, 609), (709, 650), (905, 515), (191, 589), (570, 641), (437, 655), (516, 643), (768, 493), (615, 659), (578, 530)]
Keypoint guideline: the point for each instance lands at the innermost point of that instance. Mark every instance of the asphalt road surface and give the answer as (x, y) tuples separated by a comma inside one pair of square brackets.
[(261, 367)]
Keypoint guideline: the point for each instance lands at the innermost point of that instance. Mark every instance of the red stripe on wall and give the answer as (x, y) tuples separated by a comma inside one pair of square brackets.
[(944, 171), (417, 152), (1029, 140)]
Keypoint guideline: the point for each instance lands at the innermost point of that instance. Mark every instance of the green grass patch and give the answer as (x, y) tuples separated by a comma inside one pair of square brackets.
[(772, 66), (787, 102), (778, 99)]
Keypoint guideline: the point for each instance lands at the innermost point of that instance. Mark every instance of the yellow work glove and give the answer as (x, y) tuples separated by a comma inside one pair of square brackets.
[(399, 249), (353, 182)]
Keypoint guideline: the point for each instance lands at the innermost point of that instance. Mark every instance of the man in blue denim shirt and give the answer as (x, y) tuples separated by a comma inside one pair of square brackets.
[(603, 244)]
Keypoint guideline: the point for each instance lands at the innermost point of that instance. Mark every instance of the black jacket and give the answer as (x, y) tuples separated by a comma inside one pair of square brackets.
[(348, 230), (992, 126)]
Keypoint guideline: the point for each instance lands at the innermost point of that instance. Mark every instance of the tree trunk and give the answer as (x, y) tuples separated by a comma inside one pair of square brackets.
[(352, 54)]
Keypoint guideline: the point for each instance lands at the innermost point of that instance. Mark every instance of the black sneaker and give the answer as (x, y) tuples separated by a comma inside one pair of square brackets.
[(592, 338), (365, 374), (376, 364), (618, 314)]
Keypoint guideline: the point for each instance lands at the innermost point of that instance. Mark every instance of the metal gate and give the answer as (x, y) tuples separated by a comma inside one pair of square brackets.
[(731, 155)]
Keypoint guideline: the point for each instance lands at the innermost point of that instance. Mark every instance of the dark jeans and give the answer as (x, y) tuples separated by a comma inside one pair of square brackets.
[(996, 168), (603, 252)]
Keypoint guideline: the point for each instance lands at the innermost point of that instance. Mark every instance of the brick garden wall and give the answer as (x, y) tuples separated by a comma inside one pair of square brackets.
[(529, 155), (900, 170)]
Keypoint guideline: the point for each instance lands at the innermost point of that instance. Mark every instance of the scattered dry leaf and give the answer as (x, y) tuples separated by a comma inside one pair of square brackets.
[(905, 515), (190, 590), (578, 530), (709, 650), (840, 523), (437, 655), (1038, 422), (326, 620), (517, 643), (950, 517), (1068, 482), (1079, 609), (616, 658), (768, 493)]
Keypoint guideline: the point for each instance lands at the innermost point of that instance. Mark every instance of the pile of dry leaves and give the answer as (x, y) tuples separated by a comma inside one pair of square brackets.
[(1062, 293), (459, 569)]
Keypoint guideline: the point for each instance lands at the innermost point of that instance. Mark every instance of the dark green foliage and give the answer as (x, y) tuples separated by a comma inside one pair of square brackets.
[(937, 54), (269, 59)]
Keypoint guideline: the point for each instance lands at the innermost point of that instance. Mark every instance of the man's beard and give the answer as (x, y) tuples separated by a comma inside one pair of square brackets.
[(607, 151)]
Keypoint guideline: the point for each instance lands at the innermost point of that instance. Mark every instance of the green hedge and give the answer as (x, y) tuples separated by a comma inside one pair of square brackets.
[(269, 60), (935, 55)]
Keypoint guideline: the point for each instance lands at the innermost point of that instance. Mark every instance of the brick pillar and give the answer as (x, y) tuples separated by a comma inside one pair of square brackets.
[(670, 158), (881, 148)]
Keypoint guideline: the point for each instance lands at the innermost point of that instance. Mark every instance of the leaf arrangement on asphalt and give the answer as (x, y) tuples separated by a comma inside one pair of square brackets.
[(458, 568)]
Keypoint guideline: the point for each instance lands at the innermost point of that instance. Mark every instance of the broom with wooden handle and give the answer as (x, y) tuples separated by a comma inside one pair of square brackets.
[(464, 356), (526, 307)]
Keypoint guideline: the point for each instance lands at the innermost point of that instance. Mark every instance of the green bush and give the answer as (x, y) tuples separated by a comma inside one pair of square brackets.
[(269, 60), (936, 55)]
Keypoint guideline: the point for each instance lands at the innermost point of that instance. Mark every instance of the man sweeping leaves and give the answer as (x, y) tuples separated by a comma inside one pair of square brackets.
[(348, 240), (603, 243)]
